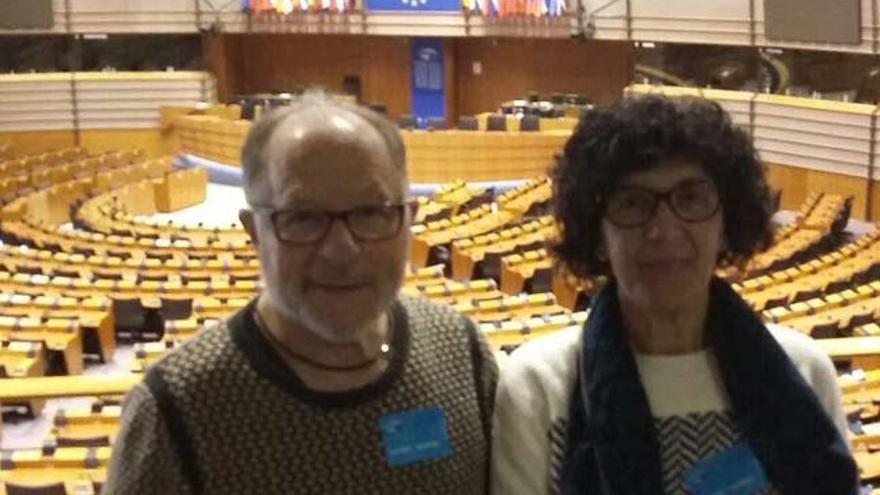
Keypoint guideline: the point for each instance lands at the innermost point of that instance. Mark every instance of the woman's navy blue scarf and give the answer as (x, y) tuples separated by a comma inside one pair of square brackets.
[(612, 445)]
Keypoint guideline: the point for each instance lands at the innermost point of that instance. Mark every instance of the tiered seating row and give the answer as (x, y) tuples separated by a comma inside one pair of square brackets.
[(484, 252), (147, 277), (851, 264), (821, 217), (429, 238)]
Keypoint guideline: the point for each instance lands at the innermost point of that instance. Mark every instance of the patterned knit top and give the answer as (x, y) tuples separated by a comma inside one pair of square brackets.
[(225, 414), (692, 414)]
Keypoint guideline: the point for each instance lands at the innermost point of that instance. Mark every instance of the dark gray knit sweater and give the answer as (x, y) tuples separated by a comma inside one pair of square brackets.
[(225, 414)]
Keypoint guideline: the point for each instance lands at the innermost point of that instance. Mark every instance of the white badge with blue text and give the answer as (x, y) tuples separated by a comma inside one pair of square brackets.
[(735, 471), (413, 436)]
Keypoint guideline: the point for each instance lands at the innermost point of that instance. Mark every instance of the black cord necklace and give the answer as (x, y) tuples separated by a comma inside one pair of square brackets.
[(384, 351)]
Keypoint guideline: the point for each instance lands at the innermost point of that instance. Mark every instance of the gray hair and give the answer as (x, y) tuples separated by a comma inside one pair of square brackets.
[(252, 154)]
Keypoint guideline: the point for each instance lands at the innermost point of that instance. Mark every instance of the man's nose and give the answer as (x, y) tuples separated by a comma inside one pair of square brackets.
[(339, 242)]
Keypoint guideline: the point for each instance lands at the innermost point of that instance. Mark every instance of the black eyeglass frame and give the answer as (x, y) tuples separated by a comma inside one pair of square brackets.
[(331, 217), (663, 196)]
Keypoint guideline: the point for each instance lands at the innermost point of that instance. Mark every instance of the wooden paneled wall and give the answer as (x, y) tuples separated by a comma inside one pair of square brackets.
[(276, 62), (796, 183), (35, 142), (152, 141), (510, 67)]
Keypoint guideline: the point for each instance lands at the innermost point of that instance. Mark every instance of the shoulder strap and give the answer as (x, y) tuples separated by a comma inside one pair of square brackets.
[(177, 432)]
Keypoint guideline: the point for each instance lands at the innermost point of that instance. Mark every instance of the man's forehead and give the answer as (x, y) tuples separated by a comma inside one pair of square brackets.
[(306, 156), (300, 132), (320, 153), (368, 190)]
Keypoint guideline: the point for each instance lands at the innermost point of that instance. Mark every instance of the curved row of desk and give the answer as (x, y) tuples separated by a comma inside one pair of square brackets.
[(808, 144)]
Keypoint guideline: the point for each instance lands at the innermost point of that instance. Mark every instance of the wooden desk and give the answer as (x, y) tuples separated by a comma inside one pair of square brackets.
[(514, 333), (869, 465), (843, 315), (147, 353), (24, 359), (151, 302), (514, 278), (66, 343), (862, 352), (76, 467), (83, 423), (52, 387), (467, 253)]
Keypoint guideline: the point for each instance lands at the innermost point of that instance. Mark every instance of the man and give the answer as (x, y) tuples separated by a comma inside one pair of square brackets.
[(329, 382)]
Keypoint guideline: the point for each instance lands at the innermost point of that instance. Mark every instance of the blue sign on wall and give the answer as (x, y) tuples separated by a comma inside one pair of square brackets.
[(415, 5), (428, 89)]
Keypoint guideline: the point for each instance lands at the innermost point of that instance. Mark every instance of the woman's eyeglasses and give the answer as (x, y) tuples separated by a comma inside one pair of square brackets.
[(692, 200)]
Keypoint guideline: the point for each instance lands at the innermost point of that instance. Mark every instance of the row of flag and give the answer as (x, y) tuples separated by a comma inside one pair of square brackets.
[(495, 8), (289, 6), (506, 8)]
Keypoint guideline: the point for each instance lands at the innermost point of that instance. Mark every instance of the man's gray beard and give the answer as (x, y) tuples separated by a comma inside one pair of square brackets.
[(300, 316)]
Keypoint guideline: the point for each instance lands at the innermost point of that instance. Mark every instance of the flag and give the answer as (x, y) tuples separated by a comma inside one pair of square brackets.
[(260, 5), (537, 8)]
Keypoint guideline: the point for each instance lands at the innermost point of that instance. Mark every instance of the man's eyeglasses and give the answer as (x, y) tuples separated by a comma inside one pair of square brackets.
[(368, 223), (692, 200)]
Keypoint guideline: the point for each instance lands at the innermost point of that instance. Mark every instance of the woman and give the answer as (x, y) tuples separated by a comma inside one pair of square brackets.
[(673, 386)]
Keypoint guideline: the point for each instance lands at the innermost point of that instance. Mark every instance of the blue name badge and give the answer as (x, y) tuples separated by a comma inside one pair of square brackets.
[(413, 436), (735, 471)]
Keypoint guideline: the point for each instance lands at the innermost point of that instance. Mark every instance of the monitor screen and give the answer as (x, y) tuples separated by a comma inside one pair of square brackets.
[(26, 14), (819, 21)]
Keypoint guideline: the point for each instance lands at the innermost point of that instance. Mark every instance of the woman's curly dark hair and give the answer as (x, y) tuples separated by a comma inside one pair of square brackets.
[(637, 134)]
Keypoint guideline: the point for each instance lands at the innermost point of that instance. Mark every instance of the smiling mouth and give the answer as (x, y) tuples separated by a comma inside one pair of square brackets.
[(338, 287), (665, 263)]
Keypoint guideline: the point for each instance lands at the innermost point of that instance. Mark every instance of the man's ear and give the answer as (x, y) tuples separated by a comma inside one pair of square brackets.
[(413, 209), (246, 217)]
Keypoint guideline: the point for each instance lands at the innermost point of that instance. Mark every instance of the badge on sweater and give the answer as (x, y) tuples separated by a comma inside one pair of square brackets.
[(413, 436), (735, 471)]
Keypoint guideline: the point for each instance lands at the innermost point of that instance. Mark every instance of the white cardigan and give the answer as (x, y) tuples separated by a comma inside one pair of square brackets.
[(532, 405)]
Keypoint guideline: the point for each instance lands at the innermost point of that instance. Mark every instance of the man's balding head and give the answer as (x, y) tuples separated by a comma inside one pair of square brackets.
[(319, 158), (313, 114)]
